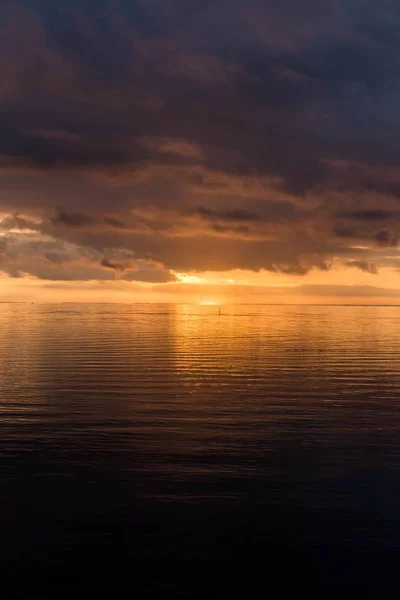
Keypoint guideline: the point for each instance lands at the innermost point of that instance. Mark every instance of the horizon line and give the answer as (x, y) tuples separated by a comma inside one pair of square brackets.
[(198, 304)]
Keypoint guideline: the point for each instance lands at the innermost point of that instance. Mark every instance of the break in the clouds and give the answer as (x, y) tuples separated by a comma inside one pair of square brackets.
[(143, 138)]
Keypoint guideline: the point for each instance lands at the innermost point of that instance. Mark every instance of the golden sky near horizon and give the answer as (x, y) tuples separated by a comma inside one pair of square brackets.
[(338, 286)]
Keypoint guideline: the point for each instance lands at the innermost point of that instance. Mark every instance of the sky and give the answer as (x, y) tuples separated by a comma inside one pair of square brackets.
[(204, 151)]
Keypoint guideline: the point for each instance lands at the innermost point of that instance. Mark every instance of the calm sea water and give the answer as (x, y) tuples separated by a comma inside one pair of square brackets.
[(169, 451)]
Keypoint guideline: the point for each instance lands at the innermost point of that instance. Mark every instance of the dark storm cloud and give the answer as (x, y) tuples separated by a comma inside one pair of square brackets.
[(112, 265), (386, 238), (47, 258), (258, 135), (114, 222), (368, 215), (268, 211), (344, 233), (73, 219), (110, 68), (83, 220), (362, 265), (388, 188), (381, 238), (226, 215)]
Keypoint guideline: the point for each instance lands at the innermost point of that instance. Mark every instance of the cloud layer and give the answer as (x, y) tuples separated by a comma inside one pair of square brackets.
[(143, 138)]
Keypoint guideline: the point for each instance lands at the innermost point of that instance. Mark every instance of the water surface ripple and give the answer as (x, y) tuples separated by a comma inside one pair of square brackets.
[(138, 439)]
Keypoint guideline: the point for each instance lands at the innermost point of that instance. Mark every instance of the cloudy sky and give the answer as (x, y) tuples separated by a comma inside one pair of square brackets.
[(216, 150)]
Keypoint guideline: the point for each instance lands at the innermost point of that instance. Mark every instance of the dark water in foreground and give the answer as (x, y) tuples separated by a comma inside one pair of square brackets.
[(167, 451)]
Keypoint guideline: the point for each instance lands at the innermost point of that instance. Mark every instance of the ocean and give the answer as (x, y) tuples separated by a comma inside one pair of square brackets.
[(170, 451)]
